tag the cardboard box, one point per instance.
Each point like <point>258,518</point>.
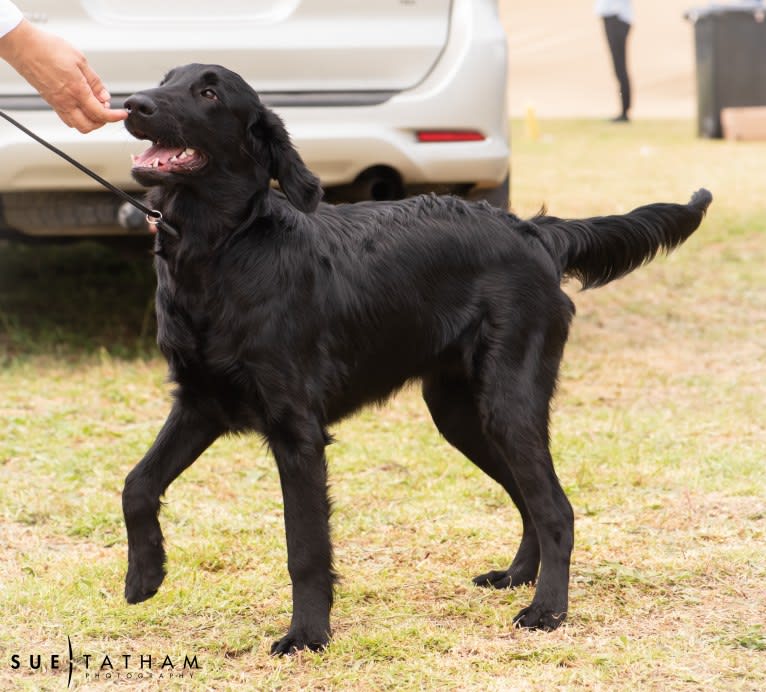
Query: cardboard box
<point>744,123</point>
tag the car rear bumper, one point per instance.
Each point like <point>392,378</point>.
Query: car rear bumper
<point>465,91</point>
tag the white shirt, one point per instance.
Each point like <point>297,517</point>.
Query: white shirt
<point>10,16</point>
<point>610,8</point>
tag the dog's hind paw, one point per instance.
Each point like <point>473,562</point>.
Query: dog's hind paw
<point>535,617</point>
<point>506,578</point>
<point>294,642</point>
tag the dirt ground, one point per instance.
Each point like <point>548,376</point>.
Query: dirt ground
<point>559,61</point>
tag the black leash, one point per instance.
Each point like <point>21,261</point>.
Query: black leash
<point>152,215</point>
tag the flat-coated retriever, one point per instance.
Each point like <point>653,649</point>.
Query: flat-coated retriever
<point>280,315</point>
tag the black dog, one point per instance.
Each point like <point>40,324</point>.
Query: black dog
<point>281,315</point>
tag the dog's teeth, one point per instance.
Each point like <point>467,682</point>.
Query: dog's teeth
<point>173,158</point>
<point>182,156</point>
<point>190,152</point>
<point>156,163</point>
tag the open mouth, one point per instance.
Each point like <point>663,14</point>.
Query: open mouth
<point>162,158</point>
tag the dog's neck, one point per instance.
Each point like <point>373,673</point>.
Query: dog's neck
<point>205,220</point>
<point>204,224</point>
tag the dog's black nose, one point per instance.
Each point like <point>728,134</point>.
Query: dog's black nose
<point>140,104</point>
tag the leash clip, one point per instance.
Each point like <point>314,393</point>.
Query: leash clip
<point>154,216</point>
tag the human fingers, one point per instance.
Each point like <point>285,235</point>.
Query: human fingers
<point>94,99</point>
<point>79,120</point>
<point>85,112</point>
<point>94,82</point>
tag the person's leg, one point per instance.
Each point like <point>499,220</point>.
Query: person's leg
<point>617,38</point>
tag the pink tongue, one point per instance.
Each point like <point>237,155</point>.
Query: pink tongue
<point>156,151</point>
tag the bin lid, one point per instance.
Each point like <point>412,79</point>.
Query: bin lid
<point>755,7</point>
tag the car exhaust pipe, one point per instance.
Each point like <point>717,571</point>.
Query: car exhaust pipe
<point>380,184</point>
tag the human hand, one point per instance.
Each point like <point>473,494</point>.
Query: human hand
<point>61,75</point>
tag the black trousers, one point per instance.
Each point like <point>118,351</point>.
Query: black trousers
<point>617,37</point>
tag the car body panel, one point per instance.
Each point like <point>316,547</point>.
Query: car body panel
<point>277,45</point>
<point>344,119</point>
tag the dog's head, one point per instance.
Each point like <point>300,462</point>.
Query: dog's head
<point>206,124</point>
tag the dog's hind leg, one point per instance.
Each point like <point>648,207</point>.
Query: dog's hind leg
<point>298,447</point>
<point>185,435</point>
<point>452,404</point>
<point>516,375</point>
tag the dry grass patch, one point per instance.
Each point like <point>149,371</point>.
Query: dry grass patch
<point>658,432</point>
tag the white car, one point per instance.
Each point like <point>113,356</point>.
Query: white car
<point>383,98</point>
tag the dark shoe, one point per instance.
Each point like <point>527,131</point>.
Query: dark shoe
<point>622,118</point>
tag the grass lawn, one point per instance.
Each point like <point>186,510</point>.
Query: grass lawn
<point>658,431</point>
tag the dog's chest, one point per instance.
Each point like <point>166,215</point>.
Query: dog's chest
<point>207,341</point>
<point>186,322</point>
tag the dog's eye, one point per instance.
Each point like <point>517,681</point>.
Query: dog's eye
<point>209,94</point>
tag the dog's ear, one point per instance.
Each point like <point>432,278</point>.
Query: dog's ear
<point>300,185</point>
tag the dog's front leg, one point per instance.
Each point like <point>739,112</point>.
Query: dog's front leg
<point>185,435</point>
<point>299,452</point>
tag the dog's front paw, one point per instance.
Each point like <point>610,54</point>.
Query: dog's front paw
<point>146,570</point>
<point>539,617</point>
<point>295,641</point>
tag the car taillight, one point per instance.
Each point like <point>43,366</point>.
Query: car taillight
<point>449,136</point>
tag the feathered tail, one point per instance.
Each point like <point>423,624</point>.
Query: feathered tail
<point>603,248</point>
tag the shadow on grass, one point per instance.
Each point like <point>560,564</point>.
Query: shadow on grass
<point>76,299</point>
